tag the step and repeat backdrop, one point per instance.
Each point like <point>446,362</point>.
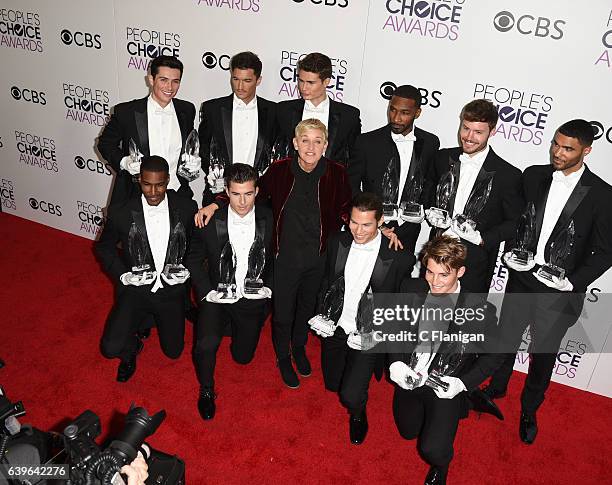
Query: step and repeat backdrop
<point>67,62</point>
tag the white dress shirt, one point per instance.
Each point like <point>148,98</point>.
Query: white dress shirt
<point>561,188</point>
<point>245,128</point>
<point>165,136</point>
<point>320,112</point>
<point>470,166</point>
<point>241,231</point>
<point>157,222</point>
<point>357,273</point>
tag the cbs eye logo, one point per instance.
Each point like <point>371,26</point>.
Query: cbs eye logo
<point>329,3</point>
<point>43,206</point>
<point>428,98</point>
<point>599,131</point>
<point>503,21</point>
<point>81,39</point>
<point>92,165</point>
<point>211,61</point>
<point>29,95</point>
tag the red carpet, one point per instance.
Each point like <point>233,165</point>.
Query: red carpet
<point>55,302</point>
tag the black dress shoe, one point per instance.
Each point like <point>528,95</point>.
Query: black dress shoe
<point>144,334</point>
<point>206,403</point>
<point>493,393</point>
<point>127,366</point>
<point>528,428</point>
<point>358,428</point>
<point>436,475</point>
<point>288,374</point>
<point>483,403</point>
<point>301,361</point>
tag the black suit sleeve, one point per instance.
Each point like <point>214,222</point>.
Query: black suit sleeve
<point>111,139</point>
<point>107,252</point>
<point>196,263</point>
<point>357,164</point>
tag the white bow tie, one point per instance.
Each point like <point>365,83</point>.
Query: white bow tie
<point>361,247</point>
<point>466,160</point>
<point>399,138</point>
<point>316,109</point>
<point>163,112</point>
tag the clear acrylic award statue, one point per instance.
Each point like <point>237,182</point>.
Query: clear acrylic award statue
<point>139,251</point>
<point>135,155</point>
<point>522,254</point>
<point>216,168</point>
<point>257,260</point>
<point>560,249</point>
<point>363,339</point>
<point>390,190</point>
<point>439,215</point>
<point>419,361</point>
<point>411,210</point>
<point>446,364</point>
<point>176,251</point>
<point>192,149</point>
<point>324,323</point>
<point>226,288</point>
<point>476,202</point>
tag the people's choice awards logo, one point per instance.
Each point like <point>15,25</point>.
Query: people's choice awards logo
<point>143,45</point>
<point>85,104</point>
<point>36,151</point>
<point>20,30</point>
<point>433,19</point>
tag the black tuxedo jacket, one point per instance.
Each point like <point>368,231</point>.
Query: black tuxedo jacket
<point>117,229</point>
<point>129,121</point>
<point>498,219</point>
<point>369,161</point>
<point>343,127</point>
<point>479,362</point>
<point>390,269</point>
<point>208,242</point>
<point>216,124</point>
<point>588,207</point>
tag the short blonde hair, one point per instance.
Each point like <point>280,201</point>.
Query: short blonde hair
<point>446,251</point>
<point>310,124</point>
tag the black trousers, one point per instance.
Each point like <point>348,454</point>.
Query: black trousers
<point>246,318</point>
<point>549,314</point>
<point>132,304</point>
<point>295,298</point>
<point>434,421</point>
<point>347,371</point>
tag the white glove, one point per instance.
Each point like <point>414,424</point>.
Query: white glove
<point>435,221</point>
<point>469,234</point>
<point>176,279</point>
<point>212,177</point>
<point>516,266</point>
<point>455,386</point>
<point>262,294</point>
<point>131,279</point>
<point>193,162</point>
<point>399,372</point>
<point>556,283</point>
<point>131,165</point>
<point>357,341</point>
<point>214,296</point>
<point>322,326</point>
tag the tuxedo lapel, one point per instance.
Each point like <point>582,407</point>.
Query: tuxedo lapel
<point>332,128</point>
<point>142,128</point>
<point>540,203</point>
<point>578,194</point>
<point>343,251</point>
<point>262,116</point>
<point>455,166</point>
<point>226,121</point>
<point>183,124</point>
<point>260,228</point>
<point>415,162</point>
<point>221,227</point>
<point>175,219</point>
<point>381,267</point>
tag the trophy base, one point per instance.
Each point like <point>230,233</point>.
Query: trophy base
<point>436,383</point>
<point>465,224</point>
<point>521,257</point>
<point>390,211</point>
<point>142,270</point>
<point>226,292</point>
<point>440,217</point>
<point>176,270</point>
<point>187,174</point>
<point>219,185</point>
<point>551,272</point>
<point>252,287</point>
<point>411,211</point>
<point>322,325</point>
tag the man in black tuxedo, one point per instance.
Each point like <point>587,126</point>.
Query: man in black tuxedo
<point>147,226</point>
<point>159,124</point>
<point>411,150</point>
<point>472,163</point>
<point>427,413</point>
<point>366,262</point>
<point>239,127</point>
<point>342,120</point>
<point>238,224</point>
<point>563,192</point>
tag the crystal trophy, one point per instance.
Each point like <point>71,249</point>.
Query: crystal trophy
<point>176,250</point>
<point>227,273</point>
<point>139,250</point>
<point>560,249</point>
<point>415,357</point>
<point>444,193</point>
<point>324,323</point>
<point>475,203</point>
<point>362,339</point>
<point>522,255</point>
<point>135,155</point>
<point>446,364</point>
<point>390,190</point>
<point>216,167</point>
<point>192,149</point>
<point>411,210</point>
<point>257,260</point>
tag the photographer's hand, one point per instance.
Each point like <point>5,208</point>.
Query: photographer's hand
<point>137,471</point>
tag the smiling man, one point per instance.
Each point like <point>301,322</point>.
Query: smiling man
<point>473,160</point>
<point>159,124</point>
<point>238,128</point>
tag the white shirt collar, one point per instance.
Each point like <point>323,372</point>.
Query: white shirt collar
<point>156,108</point>
<point>372,245</point>
<point>570,179</point>
<point>477,159</point>
<point>323,105</point>
<point>234,218</point>
<point>398,137</point>
<point>155,209</point>
<point>238,103</point>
